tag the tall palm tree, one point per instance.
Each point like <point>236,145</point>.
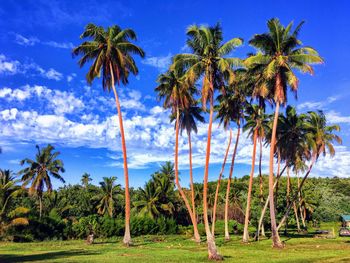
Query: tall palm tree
<point>177,93</point>
<point>39,171</point>
<point>188,118</point>
<point>86,179</point>
<point>209,60</point>
<point>230,109</point>
<point>110,50</point>
<point>280,54</point>
<point>320,138</point>
<point>107,196</point>
<point>256,123</point>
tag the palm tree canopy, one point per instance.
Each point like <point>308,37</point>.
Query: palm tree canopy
<point>8,188</point>
<point>208,59</point>
<point>39,171</point>
<point>256,119</point>
<point>107,196</point>
<point>175,90</point>
<point>280,52</point>
<point>321,136</point>
<point>108,48</point>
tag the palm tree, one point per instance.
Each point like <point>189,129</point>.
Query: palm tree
<point>230,109</point>
<point>187,119</point>
<point>107,196</point>
<point>86,179</point>
<point>177,95</point>
<point>39,172</point>
<point>157,197</point>
<point>256,123</point>
<point>280,53</point>
<point>8,190</point>
<point>208,60</point>
<point>110,50</point>
<point>320,138</point>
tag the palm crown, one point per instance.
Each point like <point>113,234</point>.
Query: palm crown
<point>110,51</point>
<point>280,52</point>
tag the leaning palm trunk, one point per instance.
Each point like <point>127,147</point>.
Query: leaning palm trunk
<point>227,235</point>
<point>296,216</point>
<point>212,250</point>
<point>300,202</point>
<point>296,195</point>
<point>263,211</point>
<point>127,236</point>
<point>218,185</point>
<point>194,222</point>
<point>276,242</point>
<point>182,194</point>
<point>249,197</point>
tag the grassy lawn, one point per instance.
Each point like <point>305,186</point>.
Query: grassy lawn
<point>177,249</point>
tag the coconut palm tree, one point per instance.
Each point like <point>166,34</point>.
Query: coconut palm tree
<point>157,197</point>
<point>320,138</point>
<point>8,190</point>
<point>256,123</point>
<point>209,60</point>
<point>107,196</point>
<point>111,52</point>
<point>188,118</point>
<point>178,96</point>
<point>39,172</point>
<point>85,179</point>
<point>280,53</point>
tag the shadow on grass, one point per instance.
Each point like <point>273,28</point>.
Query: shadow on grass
<point>10,258</point>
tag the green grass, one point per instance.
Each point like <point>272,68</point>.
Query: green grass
<point>177,249</point>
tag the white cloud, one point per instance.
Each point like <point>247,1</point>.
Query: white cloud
<point>161,63</point>
<point>60,102</point>
<point>317,105</point>
<point>31,41</point>
<point>336,118</point>
<point>64,45</point>
<point>71,77</point>
<point>8,66</point>
<point>25,41</point>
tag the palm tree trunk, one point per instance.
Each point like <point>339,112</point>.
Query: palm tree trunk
<point>276,242</point>
<point>177,181</point>
<point>296,217</point>
<point>287,198</point>
<point>212,250</point>
<point>261,189</point>
<point>278,172</point>
<point>295,197</point>
<point>300,202</point>
<point>227,235</point>
<point>247,211</point>
<point>218,184</point>
<point>263,211</point>
<point>40,206</point>
<point>127,236</point>
<point>194,222</point>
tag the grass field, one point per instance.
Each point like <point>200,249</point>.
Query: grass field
<point>177,249</point>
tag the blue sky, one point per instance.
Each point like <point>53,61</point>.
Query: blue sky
<point>44,97</point>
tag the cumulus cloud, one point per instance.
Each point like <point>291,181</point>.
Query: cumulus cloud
<point>60,102</point>
<point>11,67</point>
<point>161,63</point>
<point>8,66</point>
